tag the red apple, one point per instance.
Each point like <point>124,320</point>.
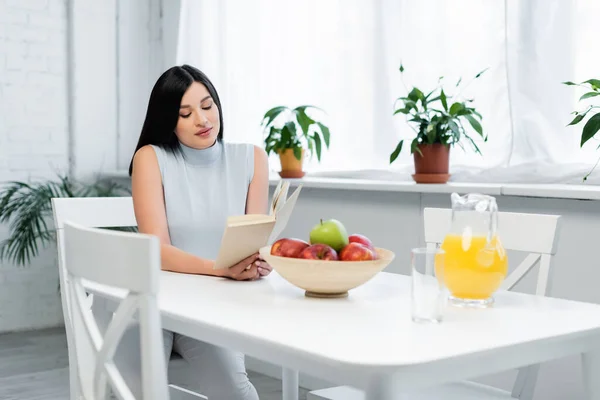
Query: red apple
<point>362,239</point>
<point>319,251</point>
<point>288,247</point>
<point>357,252</point>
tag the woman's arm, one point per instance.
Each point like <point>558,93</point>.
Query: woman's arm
<point>257,201</point>
<point>149,205</point>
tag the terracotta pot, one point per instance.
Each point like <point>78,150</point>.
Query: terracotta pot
<point>291,167</point>
<point>433,165</point>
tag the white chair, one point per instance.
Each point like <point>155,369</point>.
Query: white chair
<point>531,233</point>
<point>92,213</point>
<point>128,261</point>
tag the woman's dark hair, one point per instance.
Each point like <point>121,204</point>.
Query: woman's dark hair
<point>163,108</point>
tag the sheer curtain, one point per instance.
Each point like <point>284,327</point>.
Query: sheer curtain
<point>343,56</point>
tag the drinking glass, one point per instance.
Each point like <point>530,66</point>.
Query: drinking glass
<point>428,296</point>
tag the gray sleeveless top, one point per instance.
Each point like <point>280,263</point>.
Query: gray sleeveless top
<point>201,189</point>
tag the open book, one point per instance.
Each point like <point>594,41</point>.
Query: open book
<point>245,234</point>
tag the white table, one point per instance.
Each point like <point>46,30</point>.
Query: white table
<point>368,340</point>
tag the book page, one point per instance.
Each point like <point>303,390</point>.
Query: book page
<point>245,234</point>
<point>283,215</point>
<point>275,199</point>
<point>249,219</point>
<point>242,240</point>
<point>282,198</point>
<point>279,196</point>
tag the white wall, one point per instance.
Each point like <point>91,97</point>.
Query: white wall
<point>33,140</point>
<point>140,63</point>
<point>394,221</point>
<point>75,77</point>
<point>93,86</point>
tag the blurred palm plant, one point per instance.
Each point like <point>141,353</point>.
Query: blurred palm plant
<point>27,208</point>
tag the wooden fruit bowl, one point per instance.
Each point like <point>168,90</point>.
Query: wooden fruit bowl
<point>320,278</point>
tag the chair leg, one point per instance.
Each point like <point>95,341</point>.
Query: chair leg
<point>591,371</point>
<point>179,393</point>
<point>289,384</point>
<point>524,387</point>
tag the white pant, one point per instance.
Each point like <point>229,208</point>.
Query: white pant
<point>220,373</point>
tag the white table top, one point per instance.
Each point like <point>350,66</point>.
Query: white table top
<point>371,329</point>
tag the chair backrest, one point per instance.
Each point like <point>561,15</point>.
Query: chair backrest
<point>91,212</point>
<point>125,260</point>
<point>535,234</point>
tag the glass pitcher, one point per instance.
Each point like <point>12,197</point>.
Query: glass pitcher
<point>476,262</point>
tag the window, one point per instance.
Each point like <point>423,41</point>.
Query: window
<point>343,56</point>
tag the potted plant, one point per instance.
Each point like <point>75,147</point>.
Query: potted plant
<point>291,133</point>
<point>437,119</point>
<point>27,207</point>
<point>592,126</point>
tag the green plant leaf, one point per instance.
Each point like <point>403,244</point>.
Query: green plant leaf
<point>396,151</point>
<point>577,119</point>
<point>472,143</point>
<point>431,132</point>
<point>270,138</point>
<point>272,114</point>
<point>298,153</point>
<point>588,95</point>
<point>416,95</point>
<point>481,73</point>
<point>317,140</point>
<point>594,82</point>
<point>474,112</point>
<point>456,108</point>
<point>306,106</point>
<point>590,128</point>
<point>414,146</point>
<point>326,134</point>
<point>455,131</point>
<point>459,81</point>
<point>475,124</point>
<point>429,94</point>
<point>409,104</point>
<point>303,120</point>
<point>288,134</point>
<point>444,100</point>
<point>569,83</point>
<point>402,110</point>
<point>401,68</point>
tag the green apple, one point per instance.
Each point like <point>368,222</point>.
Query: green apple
<point>331,232</point>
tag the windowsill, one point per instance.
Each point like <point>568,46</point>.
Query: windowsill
<point>558,191</point>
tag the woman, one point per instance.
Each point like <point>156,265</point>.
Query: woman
<point>185,183</point>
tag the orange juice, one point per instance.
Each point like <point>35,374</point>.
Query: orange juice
<point>473,270</point>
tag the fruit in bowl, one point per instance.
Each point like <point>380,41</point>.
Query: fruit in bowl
<point>357,252</point>
<point>361,239</point>
<point>331,232</point>
<point>288,247</point>
<point>331,263</point>
<point>319,251</point>
<point>327,278</point>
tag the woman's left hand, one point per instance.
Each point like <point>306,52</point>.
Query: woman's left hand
<point>264,268</point>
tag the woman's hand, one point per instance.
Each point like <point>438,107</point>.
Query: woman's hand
<point>264,268</point>
<point>245,270</point>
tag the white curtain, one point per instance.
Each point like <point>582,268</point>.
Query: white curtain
<point>343,56</point>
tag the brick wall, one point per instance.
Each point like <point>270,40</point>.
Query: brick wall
<point>33,141</point>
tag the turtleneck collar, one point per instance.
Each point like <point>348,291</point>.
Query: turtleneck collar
<point>205,156</point>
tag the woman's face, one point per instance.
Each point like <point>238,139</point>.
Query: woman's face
<point>198,124</point>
